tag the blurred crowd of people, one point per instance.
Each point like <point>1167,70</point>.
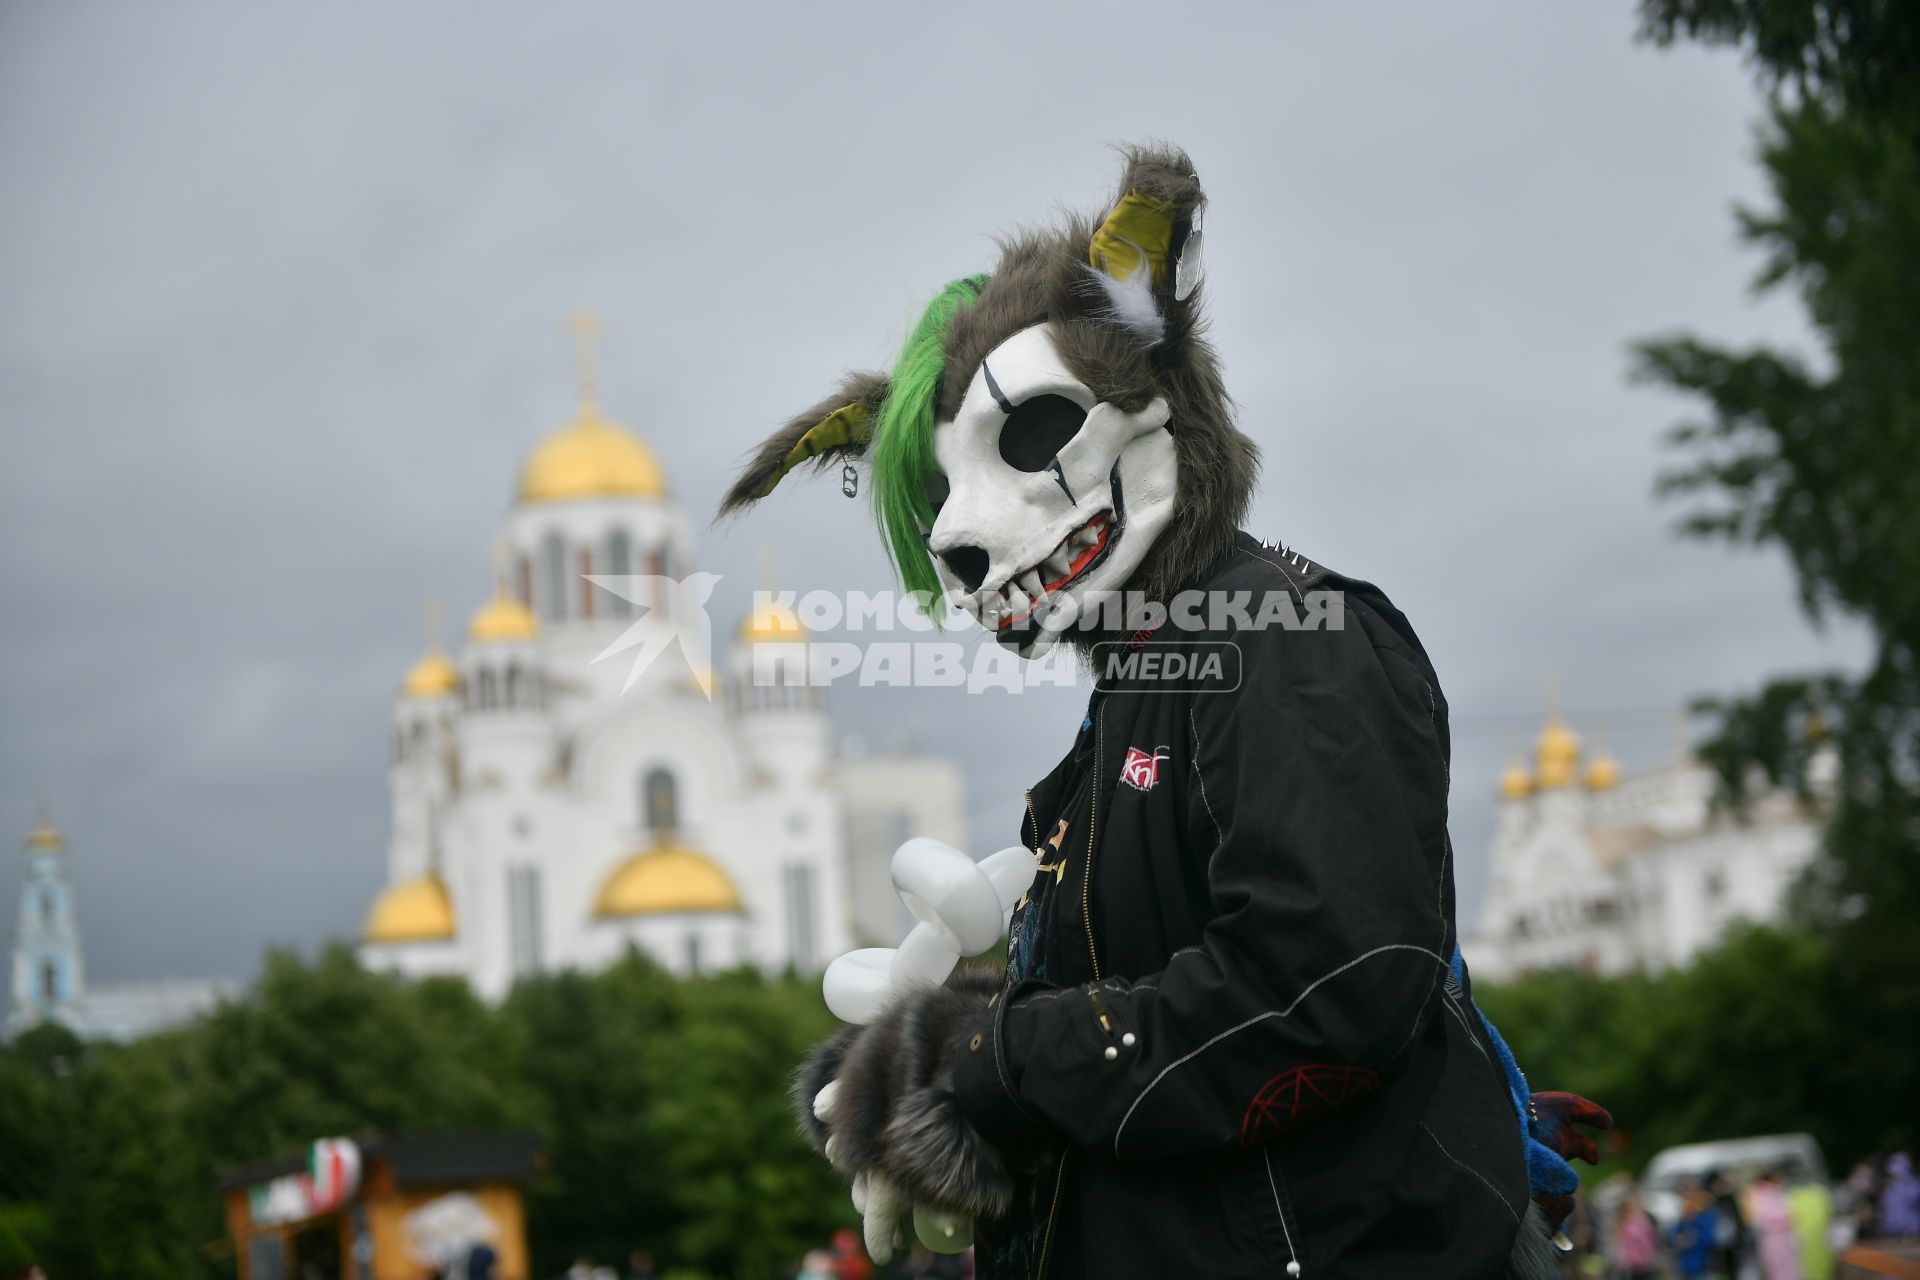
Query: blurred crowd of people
<point>640,1266</point>
<point>1768,1227</point>
<point>845,1259</point>
<point>1765,1226</point>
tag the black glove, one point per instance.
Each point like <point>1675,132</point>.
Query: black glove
<point>893,1122</point>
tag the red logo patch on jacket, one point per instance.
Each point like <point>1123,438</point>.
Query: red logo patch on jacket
<point>1141,769</point>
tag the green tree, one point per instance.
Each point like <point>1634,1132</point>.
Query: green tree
<point>35,1111</point>
<point>141,1205</point>
<point>662,1103</point>
<point>330,1049</point>
<point>667,1121</point>
<point>1763,1034</point>
<point>587,1044</point>
<point>1819,455</point>
<point>731,1068</point>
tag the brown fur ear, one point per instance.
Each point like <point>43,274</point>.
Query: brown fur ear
<point>1145,254</point>
<point>838,427</point>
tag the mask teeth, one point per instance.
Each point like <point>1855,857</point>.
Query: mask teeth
<point>1030,583</point>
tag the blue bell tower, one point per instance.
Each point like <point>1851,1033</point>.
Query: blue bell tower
<point>48,981</point>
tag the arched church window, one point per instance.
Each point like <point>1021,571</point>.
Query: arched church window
<point>49,981</point>
<point>516,685</point>
<point>554,552</point>
<point>660,600</point>
<point>46,907</point>
<point>619,565</point>
<point>660,801</point>
<point>523,581</point>
<point>489,693</point>
<point>587,590</point>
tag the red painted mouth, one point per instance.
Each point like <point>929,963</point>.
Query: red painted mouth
<point>1084,546</point>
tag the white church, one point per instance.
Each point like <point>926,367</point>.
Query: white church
<point>547,817</point>
<point>1607,873</point>
<point>49,962</point>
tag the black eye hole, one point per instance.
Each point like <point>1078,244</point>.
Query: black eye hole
<point>1038,429</point>
<point>937,489</point>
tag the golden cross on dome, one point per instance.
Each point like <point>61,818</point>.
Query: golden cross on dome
<point>586,335</point>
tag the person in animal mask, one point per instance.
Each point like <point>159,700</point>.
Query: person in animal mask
<point>1234,1035</point>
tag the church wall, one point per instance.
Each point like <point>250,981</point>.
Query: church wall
<point>888,799</point>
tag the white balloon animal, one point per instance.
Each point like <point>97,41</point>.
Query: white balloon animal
<point>960,908</point>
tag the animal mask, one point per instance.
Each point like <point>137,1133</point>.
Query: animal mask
<point>1051,433</point>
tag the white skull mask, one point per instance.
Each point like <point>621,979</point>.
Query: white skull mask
<point>1052,497</point>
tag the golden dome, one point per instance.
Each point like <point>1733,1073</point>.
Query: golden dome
<point>432,676</point>
<point>45,836</point>
<point>412,911</point>
<point>772,622</point>
<point>591,458</point>
<point>503,618</point>
<point>1603,774</point>
<point>664,880</point>
<point>1556,754</point>
<point>1515,782</point>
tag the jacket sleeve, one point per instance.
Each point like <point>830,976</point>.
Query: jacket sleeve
<point>1319,802</point>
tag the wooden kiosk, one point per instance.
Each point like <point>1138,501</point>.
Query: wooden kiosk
<point>381,1208</point>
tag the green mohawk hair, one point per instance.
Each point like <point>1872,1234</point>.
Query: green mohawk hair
<point>902,452</point>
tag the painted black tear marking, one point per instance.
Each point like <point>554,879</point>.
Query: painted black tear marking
<point>993,388</point>
<point>1060,476</point>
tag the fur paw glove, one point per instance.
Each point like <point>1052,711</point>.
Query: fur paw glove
<point>889,1120</point>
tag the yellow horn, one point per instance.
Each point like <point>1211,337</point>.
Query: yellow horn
<point>845,425</point>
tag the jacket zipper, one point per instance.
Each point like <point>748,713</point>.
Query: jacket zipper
<point>1060,1169</point>
<point>1099,1009</point>
<point>1053,1211</point>
<point>1093,954</point>
<point>1093,824</point>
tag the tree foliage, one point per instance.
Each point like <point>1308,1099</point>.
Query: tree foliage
<point>1858,56</point>
<point>1819,454</point>
<point>1764,1034</point>
<point>661,1103</point>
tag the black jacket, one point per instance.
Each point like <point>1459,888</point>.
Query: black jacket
<point>1229,1044</point>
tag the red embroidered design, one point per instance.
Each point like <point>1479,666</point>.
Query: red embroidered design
<point>1300,1093</point>
<point>1141,770</point>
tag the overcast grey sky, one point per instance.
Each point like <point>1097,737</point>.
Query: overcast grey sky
<point>282,302</point>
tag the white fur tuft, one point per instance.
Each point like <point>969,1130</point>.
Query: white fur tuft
<point>1130,304</point>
